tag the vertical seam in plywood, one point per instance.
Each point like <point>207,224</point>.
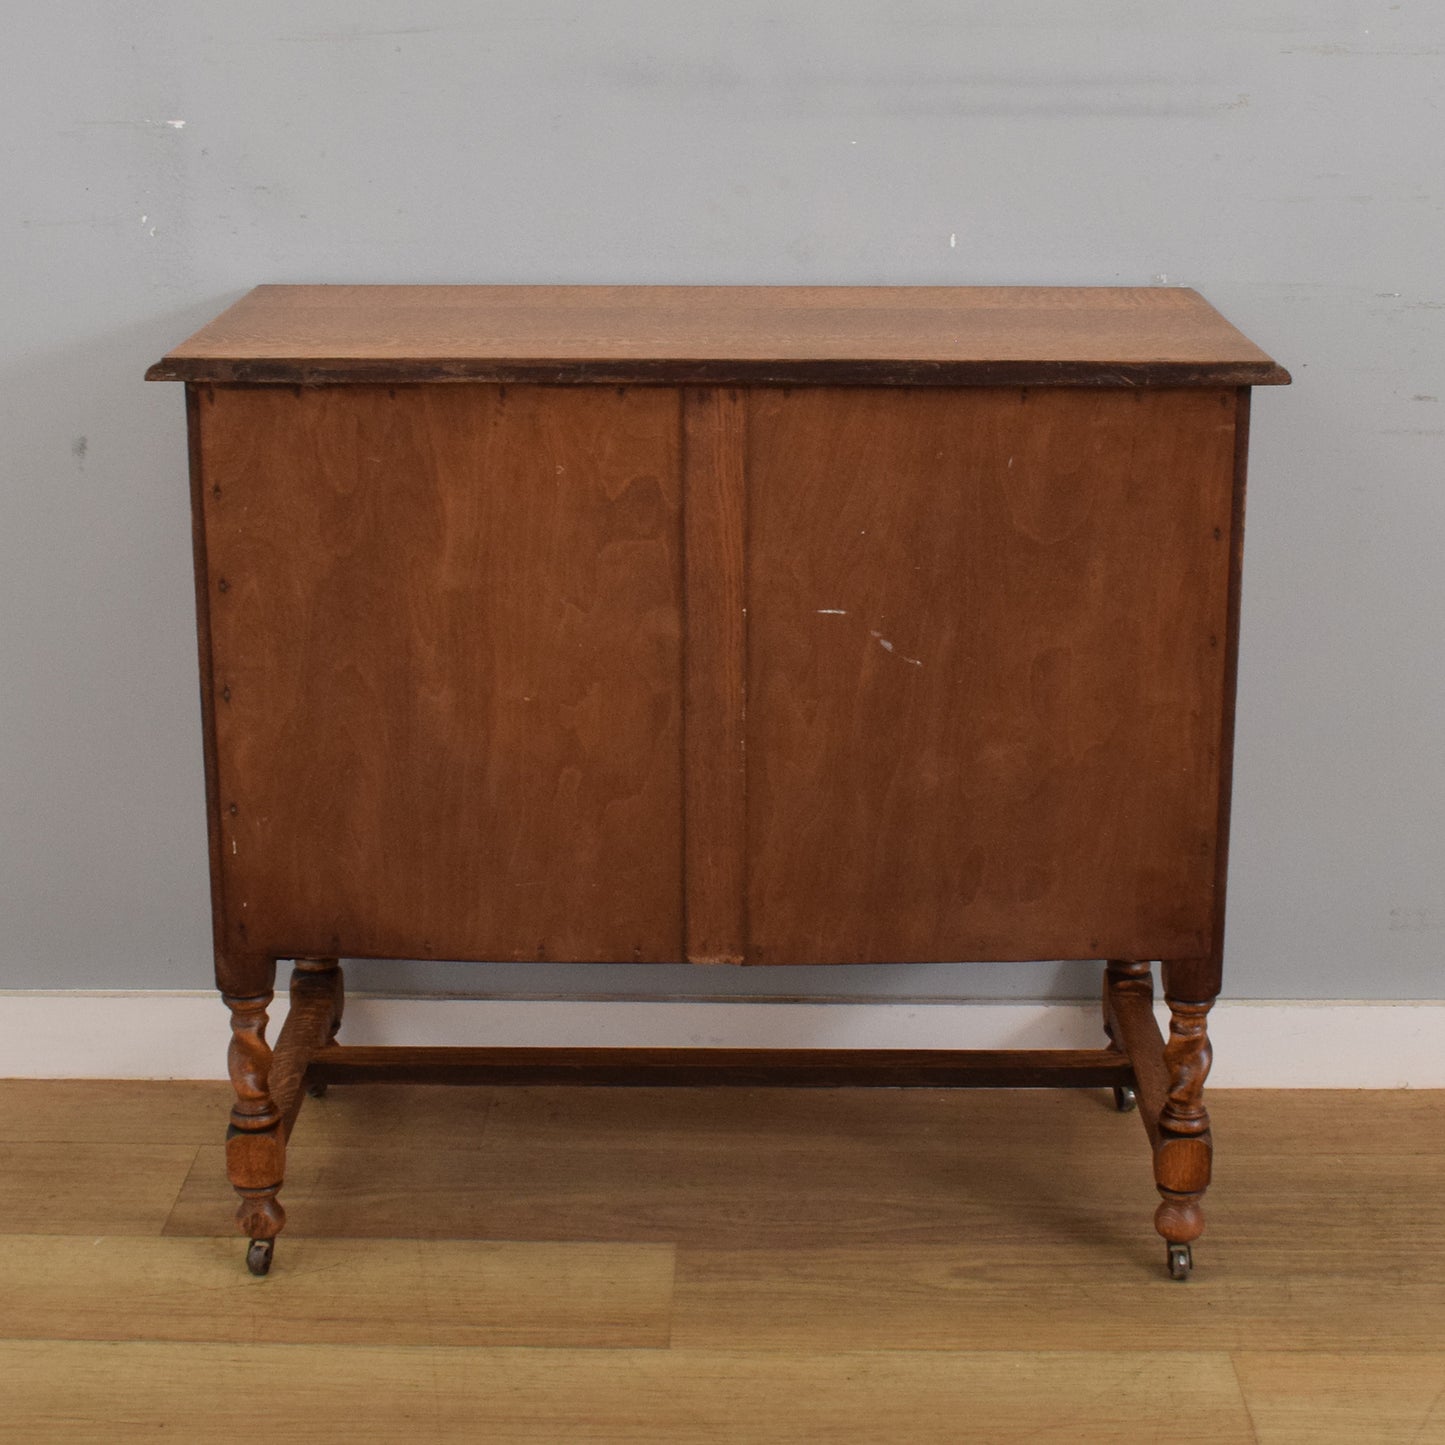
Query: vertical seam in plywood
<point>714,675</point>
<point>744,407</point>
<point>683,657</point>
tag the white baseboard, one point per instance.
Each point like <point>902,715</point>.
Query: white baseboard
<point>145,1034</point>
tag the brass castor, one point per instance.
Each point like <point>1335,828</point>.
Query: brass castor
<point>258,1256</point>
<point>1181,1261</point>
<point>1125,1100</point>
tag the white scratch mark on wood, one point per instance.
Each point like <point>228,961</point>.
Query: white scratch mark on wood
<point>831,612</point>
<point>887,646</point>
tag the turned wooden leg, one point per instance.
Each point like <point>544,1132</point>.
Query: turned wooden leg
<point>255,1146</point>
<point>1184,1151</point>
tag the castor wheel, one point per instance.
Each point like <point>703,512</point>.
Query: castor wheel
<point>258,1256</point>
<point>316,1091</point>
<point>1125,1100</point>
<point>1181,1261</point>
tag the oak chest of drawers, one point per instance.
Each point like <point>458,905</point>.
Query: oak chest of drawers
<point>735,625</point>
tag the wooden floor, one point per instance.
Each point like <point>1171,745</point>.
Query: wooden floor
<point>554,1265</point>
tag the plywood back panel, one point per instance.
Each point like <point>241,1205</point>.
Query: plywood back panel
<point>987,633</point>
<point>447,669</point>
<point>970,644</point>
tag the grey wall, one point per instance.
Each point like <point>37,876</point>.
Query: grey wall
<point>1283,156</point>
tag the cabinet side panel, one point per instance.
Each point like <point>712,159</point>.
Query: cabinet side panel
<point>1209,982</point>
<point>987,642</point>
<point>447,669</point>
<point>219,931</point>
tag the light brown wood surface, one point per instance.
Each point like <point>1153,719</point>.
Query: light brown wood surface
<point>685,1266</point>
<point>622,1397</point>
<point>110,1186</point>
<point>1025,335</point>
<point>1368,1398</point>
<point>400,1292</point>
<point>446,666</point>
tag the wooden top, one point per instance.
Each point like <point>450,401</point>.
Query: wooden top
<point>954,335</point>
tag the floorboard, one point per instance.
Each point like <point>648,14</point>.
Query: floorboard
<point>377,1396</point>
<point>338,1291</point>
<point>1350,1397</point>
<point>687,1265</point>
<point>90,1188</point>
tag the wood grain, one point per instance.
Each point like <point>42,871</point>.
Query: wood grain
<point>725,1169</point>
<point>947,335</point>
<point>1345,1397</point>
<point>115,1111</point>
<point>1320,1309</point>
<point>90,1188</point>
<point>166,1112</point>
<point>403,1292</point>
<point>986,672</point>
<point>1046,1290</point>
<point>1129,1016</point>
<point>777,1173</point>
<point>446,654</point>
<point>1258,1123</point>
<point>317,997</point>
<point>715,778</point>
<point>94,1392</point>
